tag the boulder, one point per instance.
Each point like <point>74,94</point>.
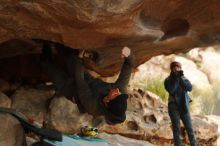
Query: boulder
<point>54,112</point>
<point>11,133</point>
<point>147,119</point>
<point>64,116</point>
<point>205,131</point>
<point>32,103</point>
<point>207,60</point>
<point>210,64</point>
<point>213,119</point>
<point>5,101</point>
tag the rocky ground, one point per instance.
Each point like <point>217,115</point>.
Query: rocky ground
<point>216,120</point>
<point>147,119</point>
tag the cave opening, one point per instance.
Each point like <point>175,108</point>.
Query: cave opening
<point>20,63</point>
<point>174,28</point>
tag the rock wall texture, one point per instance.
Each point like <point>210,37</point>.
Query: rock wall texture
<point>12,133</point>
<point>147,119</point>
<point>148,27</point>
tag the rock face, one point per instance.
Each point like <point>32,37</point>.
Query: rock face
<point>11,133</point>
<point>31,102</point>
<point>147,119</point>
<point>148,27</point>
<point>210,64</point>
<point>4,100</point>
<point>215,119</point>
<point>64,116</point>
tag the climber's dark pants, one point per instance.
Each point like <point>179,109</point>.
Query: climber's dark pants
<point>175,117</point>
<point>71,83</point>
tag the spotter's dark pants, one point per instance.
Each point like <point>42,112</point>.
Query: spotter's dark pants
<point>175,117</point>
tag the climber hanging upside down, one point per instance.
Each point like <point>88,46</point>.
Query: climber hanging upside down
<point>91,95</point>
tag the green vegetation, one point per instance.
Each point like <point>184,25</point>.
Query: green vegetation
<point>206,98</point>
<point>156,86</point>
<point>198,64</point>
